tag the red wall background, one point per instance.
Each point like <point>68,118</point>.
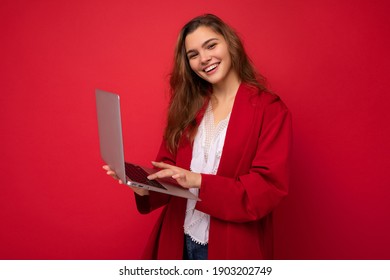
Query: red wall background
<point>328,60</point>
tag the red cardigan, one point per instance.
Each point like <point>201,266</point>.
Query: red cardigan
<point>252,179</point>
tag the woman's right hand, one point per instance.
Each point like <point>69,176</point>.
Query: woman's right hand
<point>112,173</point>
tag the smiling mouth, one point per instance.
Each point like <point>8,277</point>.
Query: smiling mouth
<point>211,67</point>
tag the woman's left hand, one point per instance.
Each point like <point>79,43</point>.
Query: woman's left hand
<point>184,178</point>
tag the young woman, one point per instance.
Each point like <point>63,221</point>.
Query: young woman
<point>227,139</point>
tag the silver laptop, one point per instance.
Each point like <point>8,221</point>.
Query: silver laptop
<point>111,149</point>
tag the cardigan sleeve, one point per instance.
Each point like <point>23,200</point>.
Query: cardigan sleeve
<point>256,191</point>
<point>148,203</point>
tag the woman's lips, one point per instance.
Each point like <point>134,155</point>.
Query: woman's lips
<point>210,68</point>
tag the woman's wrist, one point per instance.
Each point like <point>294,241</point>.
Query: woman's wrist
<point>198,180</point>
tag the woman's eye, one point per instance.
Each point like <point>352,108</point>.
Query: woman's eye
<point>191,56</point>
<point>211,46</point>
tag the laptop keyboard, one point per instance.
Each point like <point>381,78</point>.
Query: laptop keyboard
<point>137,174</point>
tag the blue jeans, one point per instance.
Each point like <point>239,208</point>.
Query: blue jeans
<point>193,250</point>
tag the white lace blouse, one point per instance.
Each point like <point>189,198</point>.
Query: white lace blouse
<point>206,154</point>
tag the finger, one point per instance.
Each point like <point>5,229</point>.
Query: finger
<point>161,174</point>
<point>112,174</point>
<point>155,176</point>
<point>162,165</point>
<point>178,176</point>
<point>106,167</point>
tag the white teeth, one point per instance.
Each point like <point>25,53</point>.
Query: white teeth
<point>211,67</point>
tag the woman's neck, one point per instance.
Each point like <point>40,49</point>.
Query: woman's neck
<point>222,98</point>
<point>226,89</point>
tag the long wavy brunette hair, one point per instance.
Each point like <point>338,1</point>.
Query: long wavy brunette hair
<point>189,91</point>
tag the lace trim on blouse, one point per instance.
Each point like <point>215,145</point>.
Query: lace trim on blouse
<point>206,154</point>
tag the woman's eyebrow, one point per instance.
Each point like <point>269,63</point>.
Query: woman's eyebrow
<point>203,45</point>
<point>208,41</point>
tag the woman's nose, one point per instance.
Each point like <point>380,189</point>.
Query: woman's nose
<point>205,58</point>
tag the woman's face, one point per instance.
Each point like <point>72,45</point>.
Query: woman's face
<point>208,55</point>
